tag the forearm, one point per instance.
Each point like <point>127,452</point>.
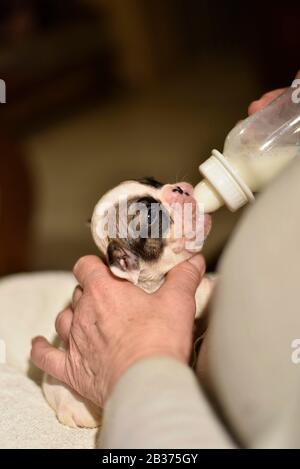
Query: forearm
<point>158,403</point>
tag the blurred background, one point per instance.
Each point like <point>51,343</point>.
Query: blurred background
<point>99,91</point>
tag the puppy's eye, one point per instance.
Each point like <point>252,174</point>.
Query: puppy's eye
<point>153,218</point>
<point>149,210</point>
<point>152,214</point>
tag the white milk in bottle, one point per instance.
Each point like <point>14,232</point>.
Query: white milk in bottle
<point>255,151</point>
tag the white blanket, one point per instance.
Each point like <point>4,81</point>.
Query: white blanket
<point>28,305</point>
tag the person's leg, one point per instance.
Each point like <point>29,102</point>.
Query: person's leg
<point>247,355</point>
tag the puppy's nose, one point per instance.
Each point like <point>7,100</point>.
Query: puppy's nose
<point>178,189</point>
<point>183,188</point>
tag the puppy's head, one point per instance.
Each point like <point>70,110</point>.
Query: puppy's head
<point>144,228</point>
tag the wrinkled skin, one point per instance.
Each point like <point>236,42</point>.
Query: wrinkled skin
<point>105,334</point>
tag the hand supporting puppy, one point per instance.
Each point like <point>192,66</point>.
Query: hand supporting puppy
<point>112,324</point>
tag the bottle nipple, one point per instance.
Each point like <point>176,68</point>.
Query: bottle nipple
<point>222,184</point>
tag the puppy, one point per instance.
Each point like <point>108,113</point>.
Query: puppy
<point>142,229</point>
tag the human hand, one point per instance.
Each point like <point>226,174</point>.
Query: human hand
<point>266,99</point>
<point>112,324</point>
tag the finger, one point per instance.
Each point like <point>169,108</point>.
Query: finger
<point>48,358</point>
<point>185,277</point>
<point>270,95</point>
<point>264,100</point>
<point>86,266</point>
<point>63,324</point>
<point>77,294</point>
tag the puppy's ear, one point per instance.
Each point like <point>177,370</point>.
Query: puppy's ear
<point>122,262</point>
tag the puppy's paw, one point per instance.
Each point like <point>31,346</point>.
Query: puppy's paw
<point>71,409</point>
<point>75,416</point>
<point>204,293</point>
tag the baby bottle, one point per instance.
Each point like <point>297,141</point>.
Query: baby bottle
<point>255,151</point>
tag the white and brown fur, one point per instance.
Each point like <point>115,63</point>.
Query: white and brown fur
<point>142,261</point>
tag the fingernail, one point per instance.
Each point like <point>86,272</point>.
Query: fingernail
<point>198,262</point>
<point>36,338</point>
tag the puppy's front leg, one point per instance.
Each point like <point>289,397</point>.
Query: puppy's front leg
<point>204,293</point>
<point>71,409</point>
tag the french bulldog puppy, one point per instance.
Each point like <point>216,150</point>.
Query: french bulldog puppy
<point>142,229</point>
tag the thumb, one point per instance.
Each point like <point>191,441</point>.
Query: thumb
<point>48,358</point>
<point>186,276</point>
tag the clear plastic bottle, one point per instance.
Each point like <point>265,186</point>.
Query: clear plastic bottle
<point>255,151</point>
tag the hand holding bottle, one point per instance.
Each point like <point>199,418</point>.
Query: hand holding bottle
<point>266,99</point>
<point>254,152</point>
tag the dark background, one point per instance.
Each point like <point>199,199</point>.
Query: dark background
<point>103,90</point>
